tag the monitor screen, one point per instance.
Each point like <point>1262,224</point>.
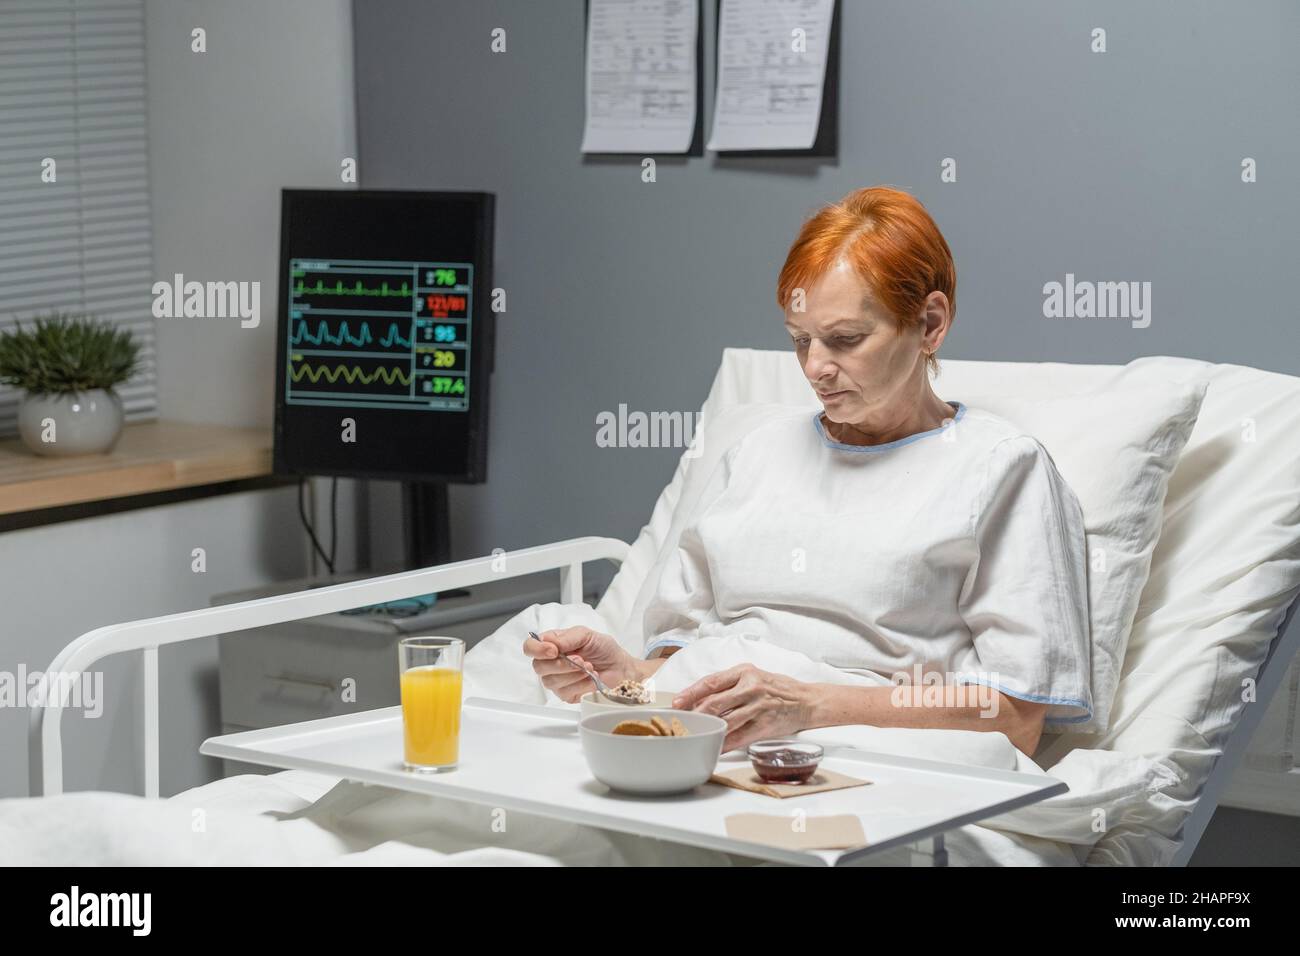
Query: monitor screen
<point>385,339</point>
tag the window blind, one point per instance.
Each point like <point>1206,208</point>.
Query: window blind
<point>72,90</point>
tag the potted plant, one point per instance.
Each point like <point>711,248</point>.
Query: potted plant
<point>67,366</point>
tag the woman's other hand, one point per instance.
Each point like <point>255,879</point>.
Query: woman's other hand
<point>593,650</point>
<point>756,704</point>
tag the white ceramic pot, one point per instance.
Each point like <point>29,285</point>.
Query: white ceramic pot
<point>80,423</point>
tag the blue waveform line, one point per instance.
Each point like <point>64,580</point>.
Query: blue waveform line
<point>303,334</point>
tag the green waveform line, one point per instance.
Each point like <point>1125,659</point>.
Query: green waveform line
<point>319,289</point>
<point>302,333</point>
<point>349,373</point>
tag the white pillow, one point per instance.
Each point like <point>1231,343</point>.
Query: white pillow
<point>1223,573</point>
<point>1116,447</point>
<point>1115,444</point>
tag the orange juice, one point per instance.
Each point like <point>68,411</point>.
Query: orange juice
<point>431,715</point>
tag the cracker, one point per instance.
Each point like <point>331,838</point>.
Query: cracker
<point>679,728</point>
<point>661,726</point>
<point>635,728</point>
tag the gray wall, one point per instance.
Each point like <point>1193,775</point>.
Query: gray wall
<point>1116,166</point>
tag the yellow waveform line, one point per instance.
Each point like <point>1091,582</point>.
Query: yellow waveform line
<point>349,373</point>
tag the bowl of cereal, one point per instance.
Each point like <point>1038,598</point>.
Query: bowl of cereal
<point>651,751</point>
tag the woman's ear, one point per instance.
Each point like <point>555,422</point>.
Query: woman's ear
<point>937,317</point>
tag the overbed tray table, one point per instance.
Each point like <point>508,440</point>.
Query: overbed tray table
<point>528,758</point>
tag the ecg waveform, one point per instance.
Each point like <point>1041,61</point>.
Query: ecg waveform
<point>358,289</point>
<point>343,335</point>
<point>379,333</point>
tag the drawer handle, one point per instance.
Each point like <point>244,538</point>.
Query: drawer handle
<point>303,681</point>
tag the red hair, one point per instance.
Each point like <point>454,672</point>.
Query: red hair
<point>890,241</point>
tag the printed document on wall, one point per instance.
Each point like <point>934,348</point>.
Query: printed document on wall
<point>771,71</point>
<point>642,75</point>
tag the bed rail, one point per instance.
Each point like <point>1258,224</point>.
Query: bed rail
<point>146,636</point>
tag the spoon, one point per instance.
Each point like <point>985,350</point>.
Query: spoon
<point>600,686</point>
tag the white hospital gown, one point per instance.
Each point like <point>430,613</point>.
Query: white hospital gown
<point>958,550</point>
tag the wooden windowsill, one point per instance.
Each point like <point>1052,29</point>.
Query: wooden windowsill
<point>149,458</point>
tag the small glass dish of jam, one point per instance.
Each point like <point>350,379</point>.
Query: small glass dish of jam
<point>785,760</point>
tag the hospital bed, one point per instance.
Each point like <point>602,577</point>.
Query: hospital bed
<point>1203,649</point>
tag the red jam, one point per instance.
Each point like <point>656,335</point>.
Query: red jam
<point>784,766</point>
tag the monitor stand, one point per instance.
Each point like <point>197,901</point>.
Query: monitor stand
<point>428,527</point>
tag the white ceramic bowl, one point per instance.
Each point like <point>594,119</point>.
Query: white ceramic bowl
<point>652,765</point>
<point>592,703</point>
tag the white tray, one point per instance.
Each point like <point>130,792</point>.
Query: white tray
<point>528,758</point>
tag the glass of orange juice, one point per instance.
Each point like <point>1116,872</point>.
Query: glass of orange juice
<point>430,673</point>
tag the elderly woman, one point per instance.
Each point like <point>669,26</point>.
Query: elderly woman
<point>890,534</point>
